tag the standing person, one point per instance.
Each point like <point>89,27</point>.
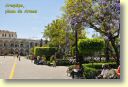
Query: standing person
<point>19,57</point>
<point>54,60</point>
<point>32,59</point>
<point>35,60</point>
<point>54,63</point>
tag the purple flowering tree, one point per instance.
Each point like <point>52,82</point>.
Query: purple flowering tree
<point>101,15</point>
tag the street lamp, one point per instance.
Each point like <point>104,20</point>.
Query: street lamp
<point>41,41</point>
<point>76,46</point>
<point>74,25</point>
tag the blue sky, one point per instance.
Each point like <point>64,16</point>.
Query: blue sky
<point>30,25</point>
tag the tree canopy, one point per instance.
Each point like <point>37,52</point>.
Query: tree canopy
<point>101,15</point>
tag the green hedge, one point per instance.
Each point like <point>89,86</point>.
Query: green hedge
<point>89,46</point>
<point>99,65</point>
<point>91,71</point>
<point>63,63</point>
<point>45,51</point>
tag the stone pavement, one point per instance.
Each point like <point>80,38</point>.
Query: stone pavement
<point>12,68</point>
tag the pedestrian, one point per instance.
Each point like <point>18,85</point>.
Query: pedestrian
<point>19,57</point>
<point>54,63</point>
<point>32,58</point>
<point>35,60</point>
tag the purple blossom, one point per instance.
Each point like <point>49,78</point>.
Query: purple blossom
<point>73,21</point>
<point>103,2</point>
<point>107,9</point>
<point>82,13</point>
<point>117,1</point>
<point>84,3</point>
<point>118,6</point>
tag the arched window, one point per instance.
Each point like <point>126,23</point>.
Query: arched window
<point>9,35</point>
<point>2,35</point>
<point>4,44</point>
<point>21,45</point>
<point>16,45</point>
<point>12,45</point>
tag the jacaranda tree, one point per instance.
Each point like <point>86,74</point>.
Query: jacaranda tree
<point>101,15</point>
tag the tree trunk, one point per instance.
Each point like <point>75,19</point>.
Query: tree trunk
<point>107,51</point>
<point>116,51</point>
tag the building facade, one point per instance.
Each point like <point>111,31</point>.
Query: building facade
<point>10,44</point>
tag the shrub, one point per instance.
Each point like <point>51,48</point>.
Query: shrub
<point>99,65</point>
<point>32,50</point>
<point>90,46</point>
<point>62,62</point>
<point>45,51</point>
<point>73,51</point>
<point>91,71</point>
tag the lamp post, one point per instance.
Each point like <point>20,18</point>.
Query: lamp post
<point>41,42</point>
<point>76,46</point>
<point>74,25</point>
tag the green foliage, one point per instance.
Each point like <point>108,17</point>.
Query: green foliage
<point>101,15</point>
<point>91,71</point>
<point>73,51</point>
<point>55,31</point>
<point>99,65</point>
<point>59,32</point>
<point>45,51</point>
<point>74,7</point>
<point>94,13</point>
<point>32,50</point>
<point>62,62</point>
<point>90,46</point>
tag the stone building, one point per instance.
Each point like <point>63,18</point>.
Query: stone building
<point>10,44</point>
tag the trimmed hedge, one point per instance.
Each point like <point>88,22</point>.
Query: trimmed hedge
<point>63,63</point>
<point>99,65</point>
<point>91,71</point>
<point>90,46</point>
<point>45,51</point>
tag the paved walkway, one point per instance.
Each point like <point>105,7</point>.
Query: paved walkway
<point>12,68</point>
